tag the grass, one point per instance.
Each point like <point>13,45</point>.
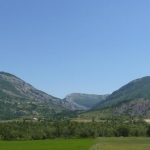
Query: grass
<point>121,143</point>
<point>60,144</point>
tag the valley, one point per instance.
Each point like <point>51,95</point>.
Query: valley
<point>19,99</point>
<point>27,114</point>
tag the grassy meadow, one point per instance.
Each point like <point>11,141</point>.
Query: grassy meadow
<point>121,143</point>
<point>60,144</point>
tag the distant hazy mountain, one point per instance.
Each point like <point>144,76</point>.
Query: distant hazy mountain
<point>84,101</point>
<point>132,99</point>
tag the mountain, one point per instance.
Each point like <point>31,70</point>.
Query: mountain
<point>13,86</point>
<point>18,98</point>
<point>133,99</point>
<point>84,101</point>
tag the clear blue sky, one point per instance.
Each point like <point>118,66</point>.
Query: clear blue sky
<point>66,46</point>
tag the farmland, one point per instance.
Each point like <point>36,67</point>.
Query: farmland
<point>57,144</point>
<point>121,143</point>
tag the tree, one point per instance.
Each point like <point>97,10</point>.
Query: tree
<point>123,131</point>
<point>148,131</point>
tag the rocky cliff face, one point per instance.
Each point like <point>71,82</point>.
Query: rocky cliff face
<point>137,107</point>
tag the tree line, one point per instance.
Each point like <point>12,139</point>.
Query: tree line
<point>29,130</point>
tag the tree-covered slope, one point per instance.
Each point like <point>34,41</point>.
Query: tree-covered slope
<point>139,88</point>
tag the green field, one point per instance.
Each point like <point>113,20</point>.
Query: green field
<point>121,143</point>
<point>60,144</point>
